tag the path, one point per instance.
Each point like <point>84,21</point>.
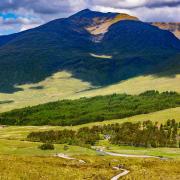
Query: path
<point>124,173</point>
<point>64,156</point>
<point>129,155</point>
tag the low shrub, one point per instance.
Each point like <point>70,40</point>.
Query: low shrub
<point>46,146</point>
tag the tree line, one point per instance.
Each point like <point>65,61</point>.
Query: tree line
<point>141,134</point>
<point>95,109</point>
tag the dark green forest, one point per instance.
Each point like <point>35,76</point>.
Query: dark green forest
<point>146,134</point>
<point>95,109</point>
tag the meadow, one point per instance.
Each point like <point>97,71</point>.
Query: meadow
<point>96,167</point>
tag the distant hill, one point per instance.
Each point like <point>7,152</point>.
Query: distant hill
<point>136,48</point>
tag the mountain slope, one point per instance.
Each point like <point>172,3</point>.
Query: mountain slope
<point>172,27</point>
<point>136,48</point>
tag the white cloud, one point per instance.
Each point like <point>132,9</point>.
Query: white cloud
<point>32,13</point>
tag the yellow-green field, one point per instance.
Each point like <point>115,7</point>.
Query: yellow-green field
<point>49,168</point>
<point>18,147</point>
<point>95,168</point>
<point>63,86</point>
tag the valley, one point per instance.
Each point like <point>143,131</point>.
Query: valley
<point>91,96</point>
<point>15,149</point>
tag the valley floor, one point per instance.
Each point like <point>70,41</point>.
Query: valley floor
<point>21,159</point>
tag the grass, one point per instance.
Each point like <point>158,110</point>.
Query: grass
<point>59,86</point>
<point>159,116</point>
<point>23,160</point>
<point>15,168</point>
<point>97,167</point>
<point>138,85</point>
<point>17,147</point>
<point>63,86</point>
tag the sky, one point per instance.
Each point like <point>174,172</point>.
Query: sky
<point>19,15</point>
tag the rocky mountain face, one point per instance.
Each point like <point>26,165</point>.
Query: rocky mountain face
<point>80,44</point>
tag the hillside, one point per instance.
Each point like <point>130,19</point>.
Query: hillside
<point>136,48</point>
<point>114,53</point>
<point>95,109</point>
<point>173,27</point>
<point>62,85</point>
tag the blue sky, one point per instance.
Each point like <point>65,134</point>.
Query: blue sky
<point>19,15</point>
<point>8,15</point>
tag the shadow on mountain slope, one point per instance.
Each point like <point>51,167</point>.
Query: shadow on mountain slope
<point>136,48</point>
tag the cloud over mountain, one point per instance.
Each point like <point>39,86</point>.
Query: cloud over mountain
<point>37,12</point>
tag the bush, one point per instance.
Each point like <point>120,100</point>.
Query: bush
<point>46,146</point>
<point>66,147</point>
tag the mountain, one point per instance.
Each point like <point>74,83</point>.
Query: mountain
<point>173,27</point>
<point>80,44</point>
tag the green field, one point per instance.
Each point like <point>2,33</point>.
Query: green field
<point>18,147</point>
<point>20,159</point>
<point>51,168</point>
<point>63,86</point>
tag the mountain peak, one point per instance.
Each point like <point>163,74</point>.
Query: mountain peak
<point>87,13</point>
<point>86,10</point>
<point>98,22</point>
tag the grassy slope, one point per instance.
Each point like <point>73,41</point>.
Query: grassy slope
<point>159,116</point>
<point>18,147</point>
<point>96,168</point>
<point>15,168</point>
<point>59,86</point>
<point>62,86</point>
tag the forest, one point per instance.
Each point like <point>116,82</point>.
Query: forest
<point>141,134</point>
<point>95,109</point>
